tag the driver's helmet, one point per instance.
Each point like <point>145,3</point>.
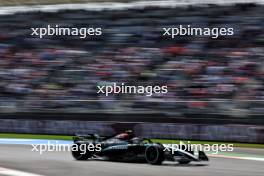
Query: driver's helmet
<point>127,135</point>
<point>136,140</point>
<point>122,136</point>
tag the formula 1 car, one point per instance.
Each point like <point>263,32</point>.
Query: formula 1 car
<point>133,150</point>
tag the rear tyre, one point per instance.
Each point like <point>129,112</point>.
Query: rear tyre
<point>154,155</point>
<point>80,152</point>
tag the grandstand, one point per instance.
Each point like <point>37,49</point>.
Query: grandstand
<point>203,74</point>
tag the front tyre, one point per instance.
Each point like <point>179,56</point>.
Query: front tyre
<point>154,155</point>
<point>80,152</point>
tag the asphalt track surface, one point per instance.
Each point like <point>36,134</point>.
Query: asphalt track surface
<point>21,158</point>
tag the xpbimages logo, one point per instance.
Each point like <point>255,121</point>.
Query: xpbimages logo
<point>214,148</point>
<point>65,31</point>
<point>57,147</point>
<point>128,89</point>
<point>188,30</point>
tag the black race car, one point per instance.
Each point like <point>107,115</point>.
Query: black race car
<point>132,150</point>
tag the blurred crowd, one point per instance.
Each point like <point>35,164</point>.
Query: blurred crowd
<point>205,75</point>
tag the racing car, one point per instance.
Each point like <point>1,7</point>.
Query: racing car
<point>135,149</point>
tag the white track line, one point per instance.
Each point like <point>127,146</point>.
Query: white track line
<point>237,157</point>
<point>11,172</point>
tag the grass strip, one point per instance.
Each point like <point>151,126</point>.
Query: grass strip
<point>35,136</point>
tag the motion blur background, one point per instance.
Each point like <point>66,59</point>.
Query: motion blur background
<point>210,81</point>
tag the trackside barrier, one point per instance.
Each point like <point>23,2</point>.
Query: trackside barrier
<point>235,133</point>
